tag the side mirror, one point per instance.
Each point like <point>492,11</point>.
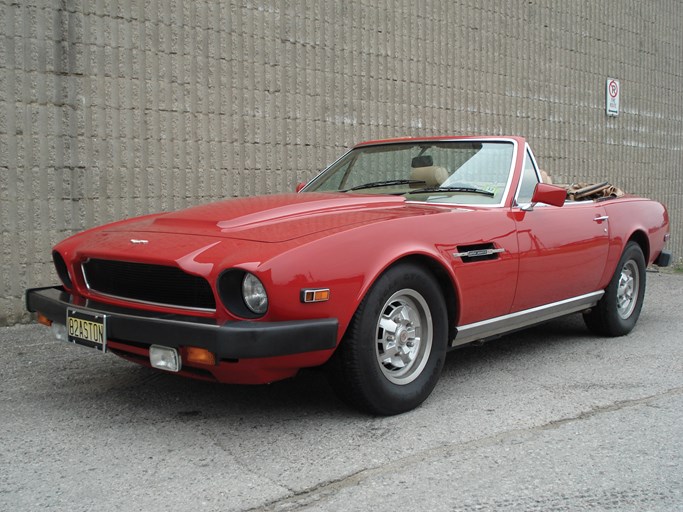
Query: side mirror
<point>299,186</point>
<point>547,194</point>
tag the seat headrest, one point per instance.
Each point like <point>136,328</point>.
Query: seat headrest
<point>432,175</point>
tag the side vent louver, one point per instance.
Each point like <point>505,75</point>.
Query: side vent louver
<point>478,252</point>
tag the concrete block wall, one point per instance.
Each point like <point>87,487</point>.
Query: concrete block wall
<point>110,109</point>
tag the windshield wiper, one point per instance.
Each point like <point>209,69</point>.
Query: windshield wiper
<point>386,183</point>
<point>452,189</point>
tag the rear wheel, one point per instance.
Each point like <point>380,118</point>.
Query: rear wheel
<point>617,312</point>
<point>392,354</point>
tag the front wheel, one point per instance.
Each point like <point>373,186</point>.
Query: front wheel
<point>617,312</point>
<point>394,348</point>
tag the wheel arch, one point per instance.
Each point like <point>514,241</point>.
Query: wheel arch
<point>643,241</point>
<point>356,372</point>
<point>442,277</point>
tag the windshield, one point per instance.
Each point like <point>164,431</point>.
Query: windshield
<point>462,172</point>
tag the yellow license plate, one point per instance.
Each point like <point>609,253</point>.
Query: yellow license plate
<point>87,328</point>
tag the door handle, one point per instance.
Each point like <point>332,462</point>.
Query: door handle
<point>601,218</point>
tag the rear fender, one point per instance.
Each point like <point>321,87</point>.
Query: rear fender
<point>643,221</point>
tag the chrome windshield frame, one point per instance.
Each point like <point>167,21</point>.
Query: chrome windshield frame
<point>504,195</point>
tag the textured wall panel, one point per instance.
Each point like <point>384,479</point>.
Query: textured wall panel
<point>110,109</point>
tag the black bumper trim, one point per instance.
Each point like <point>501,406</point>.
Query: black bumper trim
<point>232,340</point>
<point>664,259</point>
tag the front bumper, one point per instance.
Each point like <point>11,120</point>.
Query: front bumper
<point>231,340</point>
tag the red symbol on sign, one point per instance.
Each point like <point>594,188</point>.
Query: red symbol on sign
<point>613,89</point>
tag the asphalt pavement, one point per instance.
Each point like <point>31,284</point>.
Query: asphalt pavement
<point>551,418</point>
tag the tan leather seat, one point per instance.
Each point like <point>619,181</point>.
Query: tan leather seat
<point>433,176</point>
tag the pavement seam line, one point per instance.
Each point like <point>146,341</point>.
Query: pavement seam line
<point>250,470</point>
<point>308,497</point>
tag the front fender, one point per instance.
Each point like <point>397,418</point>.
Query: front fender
<point>347,263</point>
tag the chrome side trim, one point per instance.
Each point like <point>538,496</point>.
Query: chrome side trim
<point>521,319</point>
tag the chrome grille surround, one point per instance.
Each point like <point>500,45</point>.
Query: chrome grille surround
<point>146,283</point>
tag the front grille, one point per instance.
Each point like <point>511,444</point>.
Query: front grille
<point>142,282</point>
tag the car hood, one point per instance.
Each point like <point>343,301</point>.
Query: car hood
<point>275,218</point>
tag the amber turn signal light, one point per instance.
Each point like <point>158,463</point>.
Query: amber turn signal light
<point>199,355</point>
<point>43,320</point>
<point>319,295</point>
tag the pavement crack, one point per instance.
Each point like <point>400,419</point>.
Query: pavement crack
<point>309,497</point>
<point>312,496</point>
<point>248,468</point>
<point>613,407</point>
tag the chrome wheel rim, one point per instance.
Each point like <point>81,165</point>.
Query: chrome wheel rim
<point>627,289</point>
<point>404,336</point>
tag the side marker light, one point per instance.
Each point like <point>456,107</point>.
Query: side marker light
<point>317,295</point>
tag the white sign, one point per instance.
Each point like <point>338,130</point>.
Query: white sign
<point>612,97</point>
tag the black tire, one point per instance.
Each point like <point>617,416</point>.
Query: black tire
<point>393,351</point>
<point>617,312</point>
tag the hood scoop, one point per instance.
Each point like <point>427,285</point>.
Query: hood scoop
<point>300,210</point>
<point>275,218</point>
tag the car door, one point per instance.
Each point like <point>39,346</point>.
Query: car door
<point>562,250</point>
<point>484,260</point>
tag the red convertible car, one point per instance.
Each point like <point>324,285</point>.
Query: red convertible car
<point>399,251</point>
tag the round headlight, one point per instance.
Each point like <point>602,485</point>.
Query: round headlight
<point>254,294</point>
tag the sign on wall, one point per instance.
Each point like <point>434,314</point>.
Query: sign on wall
<point>613,89</point>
